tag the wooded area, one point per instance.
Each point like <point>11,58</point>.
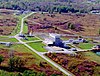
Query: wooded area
<point>50,5</point>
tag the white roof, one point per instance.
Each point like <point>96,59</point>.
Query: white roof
<point>47,41</point>
<point>54,35</point>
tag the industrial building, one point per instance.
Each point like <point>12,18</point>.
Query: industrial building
<point>57,41</point>
<point>6,43</point>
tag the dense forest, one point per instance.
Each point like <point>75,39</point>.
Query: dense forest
<point>51,5</point>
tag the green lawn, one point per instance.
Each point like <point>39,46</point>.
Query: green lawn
<point>17,47</point>
<point>5,39</point>
<point>91,56</point>
<point>38,46</point>
<point>25,28</point>
<point>30,39</point>
<point>1,37</point>
<point>86,45</point>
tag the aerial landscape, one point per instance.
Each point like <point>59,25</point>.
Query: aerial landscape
<point>49,37</point>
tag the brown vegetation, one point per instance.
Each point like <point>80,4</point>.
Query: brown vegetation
<point>76,64</point>
<point>7,22</point>
<point>67,23</point>
<point>29,62</point>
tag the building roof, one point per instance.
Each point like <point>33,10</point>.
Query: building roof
<point>54,35</point>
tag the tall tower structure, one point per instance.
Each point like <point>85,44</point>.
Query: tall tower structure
<point>58,41</point>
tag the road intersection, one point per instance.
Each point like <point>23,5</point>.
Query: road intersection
<point>38,53</point>
<point>41,54</point>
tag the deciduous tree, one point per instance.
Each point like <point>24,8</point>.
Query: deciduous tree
<point>1,59</point>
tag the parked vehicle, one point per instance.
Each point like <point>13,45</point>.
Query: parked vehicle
<point>73,49</point>
<point>75,42</point>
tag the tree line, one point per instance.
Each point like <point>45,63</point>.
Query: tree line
<point>47,6</point>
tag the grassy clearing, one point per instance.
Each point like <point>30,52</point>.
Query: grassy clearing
<point>25,28</point>
<point>91,56</point>
<point>17,29</point>
<point>16,47</point>
<point>5,39</point>
<point>38,46</point>
<point>85,45</point>
<point>30,39</point>
<point>2,37</point>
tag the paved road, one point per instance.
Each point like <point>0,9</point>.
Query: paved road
<point>41,55</point>
<point>33,41</point>
<point>22,21</point>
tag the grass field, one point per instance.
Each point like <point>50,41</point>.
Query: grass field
<point>85,45</point>
<point>17,29</point>
<point>1,37</point>
<point>91,56</point>
<point>30,39</point>
<point>5,39</point>
<point>16,47</point>
<point>38,46</point>
<point>25,29</point>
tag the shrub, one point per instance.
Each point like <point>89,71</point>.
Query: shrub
<point>32,73</point>
<point>15,63</point>
<point>1,59</point>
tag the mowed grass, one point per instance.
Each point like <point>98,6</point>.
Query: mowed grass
<point>86,45</point>
<point>1,37</point>
<point>5,39</point>
<point>16,47</point>
<point>25,28</point>
<point>38,46</point>
<point>30,39</point>
<point>91,56</point>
